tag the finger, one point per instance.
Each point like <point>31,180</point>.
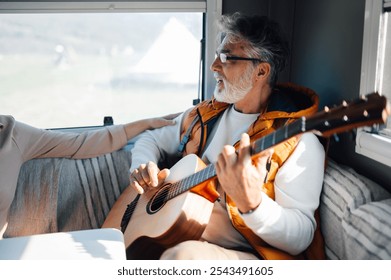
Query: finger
<point>153,172</point>
<point>160,122</point>
<point>144,175</point>
<point>138,177</point>
<point>165,122</point>
<point>136,186</point>
<point>244,141</point>
<point>228,156</point>
<point>218,167</point>
<point>244,148</point>
<point>162,175</point>
<point>171,116</point>
<point>221,162</point>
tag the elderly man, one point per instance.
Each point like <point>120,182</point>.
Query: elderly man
<point>267,205</point>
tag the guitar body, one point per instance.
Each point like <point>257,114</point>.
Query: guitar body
<point>154,227</point>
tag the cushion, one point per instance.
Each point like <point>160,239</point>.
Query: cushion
<point>344,190</point>
<point>57,194</point>
<point>367,231</point>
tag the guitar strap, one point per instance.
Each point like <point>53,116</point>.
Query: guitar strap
<point>186,137</point>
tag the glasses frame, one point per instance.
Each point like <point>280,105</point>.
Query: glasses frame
<point>224,58</point>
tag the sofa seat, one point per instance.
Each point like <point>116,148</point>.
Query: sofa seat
<point>62,195</point>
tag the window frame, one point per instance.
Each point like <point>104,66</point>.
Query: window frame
<point>102,6</point>
<point>369,142</point>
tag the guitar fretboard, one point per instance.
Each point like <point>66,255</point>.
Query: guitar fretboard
<point>191,181</point>
<point>279,136</point>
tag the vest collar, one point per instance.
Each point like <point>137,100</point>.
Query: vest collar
<point>291,101</point>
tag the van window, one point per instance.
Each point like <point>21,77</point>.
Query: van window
<point>72,69</point>
<point>375,142</point>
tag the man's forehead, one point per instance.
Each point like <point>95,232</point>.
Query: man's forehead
<point>229,45</point>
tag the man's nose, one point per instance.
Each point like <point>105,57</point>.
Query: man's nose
<point>216,64</point>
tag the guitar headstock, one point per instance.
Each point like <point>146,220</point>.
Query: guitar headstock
<point>365,111</point>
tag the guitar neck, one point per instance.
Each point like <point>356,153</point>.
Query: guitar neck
<point>278,136</point>
<point>368,110</point>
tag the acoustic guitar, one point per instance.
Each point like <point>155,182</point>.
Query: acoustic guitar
<point>165,216</point>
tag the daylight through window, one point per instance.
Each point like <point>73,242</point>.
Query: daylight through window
<point>72,69</point>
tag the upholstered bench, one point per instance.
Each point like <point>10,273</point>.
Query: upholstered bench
<point>62,195</point>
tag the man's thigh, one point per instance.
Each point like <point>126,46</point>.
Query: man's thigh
<point>202,250</point>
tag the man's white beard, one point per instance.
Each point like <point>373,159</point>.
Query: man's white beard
<point>235,91</point>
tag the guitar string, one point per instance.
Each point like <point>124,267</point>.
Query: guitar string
<point>186,184</point>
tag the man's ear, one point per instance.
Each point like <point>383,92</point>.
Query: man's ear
<point>263,70</point>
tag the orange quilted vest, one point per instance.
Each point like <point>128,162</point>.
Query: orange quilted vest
<point>199,122</point>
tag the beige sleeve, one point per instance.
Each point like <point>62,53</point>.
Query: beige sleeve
<point>35,143</point>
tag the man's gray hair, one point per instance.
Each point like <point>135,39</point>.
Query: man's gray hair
<point>264,36</point>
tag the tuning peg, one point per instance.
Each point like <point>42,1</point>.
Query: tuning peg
<point>326,109</point>
<point>344,103</point>
<point>326,123</point>
<point>345,118</point>
<point>363,97</point>
<point>365,113</point>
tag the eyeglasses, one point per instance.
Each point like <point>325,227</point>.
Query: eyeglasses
<point>223,58</point>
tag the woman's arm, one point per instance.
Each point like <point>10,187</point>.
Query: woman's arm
<point>38,143</point>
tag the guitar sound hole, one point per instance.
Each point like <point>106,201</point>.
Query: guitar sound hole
<point>158,200</point>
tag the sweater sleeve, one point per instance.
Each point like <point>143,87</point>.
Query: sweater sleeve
<point>154,145</point>
<point>39,143</point>
<point>288,223</point>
